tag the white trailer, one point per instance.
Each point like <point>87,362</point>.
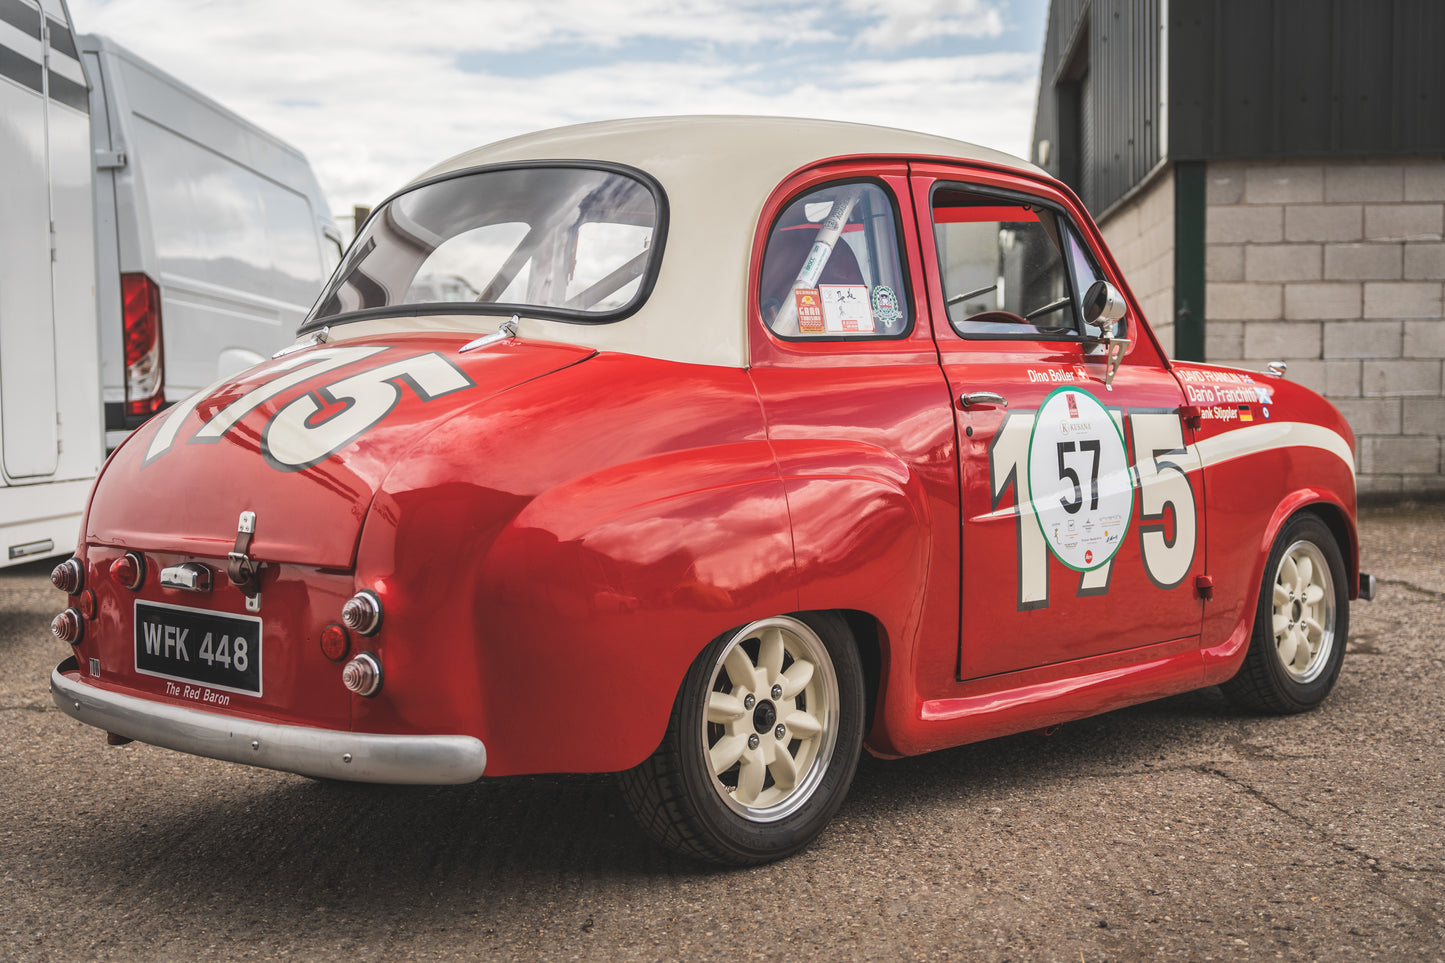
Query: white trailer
<point>51,440</point>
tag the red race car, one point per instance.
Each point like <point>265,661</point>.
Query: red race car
<point>708,451</point>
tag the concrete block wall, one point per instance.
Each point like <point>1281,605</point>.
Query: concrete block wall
<point>1338,268</point>
<point>1140,234</point>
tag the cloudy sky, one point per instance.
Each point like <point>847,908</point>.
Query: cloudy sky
<point>375,91</point>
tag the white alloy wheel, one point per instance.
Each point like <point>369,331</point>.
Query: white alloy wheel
<point>1304,612</point>
<point>771,718</point>
<point>1297,645</point>
<point>762,743</point>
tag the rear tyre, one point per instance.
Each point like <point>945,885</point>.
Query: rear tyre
<point>1300,626</point>
<point>762,744</point>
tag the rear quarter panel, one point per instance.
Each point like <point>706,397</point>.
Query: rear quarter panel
<point>553,563</point>
<point>1294,452</point>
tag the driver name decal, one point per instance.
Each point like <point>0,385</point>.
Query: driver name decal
<point>1074,374</point>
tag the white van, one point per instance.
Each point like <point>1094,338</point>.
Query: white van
<point>50,409</point>
<point>214,237</point>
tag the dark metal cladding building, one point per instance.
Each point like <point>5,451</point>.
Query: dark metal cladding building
<point>1271,176</point>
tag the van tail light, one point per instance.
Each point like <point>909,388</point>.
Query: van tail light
<point>145,380</point>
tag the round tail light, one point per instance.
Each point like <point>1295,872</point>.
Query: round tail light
<point>129,571</point>
<point>68,576</point>
<point>362,675</point>
<point>335,643</point>
<point>68,627</point>
<point>362,612</point>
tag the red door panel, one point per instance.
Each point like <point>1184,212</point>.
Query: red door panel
<point>1081,502</point>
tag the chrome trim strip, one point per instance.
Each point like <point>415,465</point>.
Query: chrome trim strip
<point>324,753</point>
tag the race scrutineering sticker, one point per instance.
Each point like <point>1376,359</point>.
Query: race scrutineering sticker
<point>810,310</point>
<point>846,309</point>
<point>886,309</point>
<point>1079,478</point>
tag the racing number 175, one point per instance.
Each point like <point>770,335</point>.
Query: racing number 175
<point>1159,472</point>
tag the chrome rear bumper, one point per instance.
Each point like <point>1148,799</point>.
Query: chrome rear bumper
<point>323,753</point>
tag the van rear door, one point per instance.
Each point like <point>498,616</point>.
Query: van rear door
<point>29,433</point>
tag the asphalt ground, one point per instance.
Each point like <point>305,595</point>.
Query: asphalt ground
<point>1183,829</point>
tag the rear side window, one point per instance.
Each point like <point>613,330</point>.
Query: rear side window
<point>1008,267</point>
<point>832,269</point>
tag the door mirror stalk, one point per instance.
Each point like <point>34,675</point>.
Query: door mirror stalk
<point>1104,307</point>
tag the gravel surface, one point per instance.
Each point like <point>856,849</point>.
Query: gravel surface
<point>1183,829</point>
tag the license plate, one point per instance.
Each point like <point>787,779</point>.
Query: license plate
<point>216,650</point>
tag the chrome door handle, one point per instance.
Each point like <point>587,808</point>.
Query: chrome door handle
<point>991,398</point>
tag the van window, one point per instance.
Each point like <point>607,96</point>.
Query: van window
<point>292,238</point>
<point>216,221</point>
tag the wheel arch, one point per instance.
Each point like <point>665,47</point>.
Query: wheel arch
<point>1331,510</point>
<point>1222,661</point>
<point>871,639</point>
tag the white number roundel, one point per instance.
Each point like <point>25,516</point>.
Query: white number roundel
<point>1079,479</point>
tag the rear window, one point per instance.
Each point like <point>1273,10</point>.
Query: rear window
<point>573,243</point>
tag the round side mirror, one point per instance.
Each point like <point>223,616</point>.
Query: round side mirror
<point>1103,305</point>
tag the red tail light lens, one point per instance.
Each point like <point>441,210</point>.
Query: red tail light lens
<point>335,643</point>
<point>145,383</point>
<point>362,612</point>
<point>67,627</point>
<point>362,675</point>
<point>129,571</point>
<point>68,576</point>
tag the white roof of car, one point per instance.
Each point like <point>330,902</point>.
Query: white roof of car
<point>716,171</point>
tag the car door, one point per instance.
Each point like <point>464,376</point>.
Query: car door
<point>1080,495</point>
<point>857,409</point>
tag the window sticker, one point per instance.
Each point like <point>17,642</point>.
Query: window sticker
<point>810,310</point>
<point>885,305</point>
<point>1079,476</point>
<point>846,309</point>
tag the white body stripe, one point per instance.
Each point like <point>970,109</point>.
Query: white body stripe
<point>1238,442</point>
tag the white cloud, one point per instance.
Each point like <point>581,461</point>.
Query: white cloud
<point>374,93</point>
<point>902,23</point>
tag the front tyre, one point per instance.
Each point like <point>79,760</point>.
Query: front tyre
<point>762,744</point>
<point>1301,625</point>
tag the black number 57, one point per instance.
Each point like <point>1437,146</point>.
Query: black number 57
<point>1092,447</point>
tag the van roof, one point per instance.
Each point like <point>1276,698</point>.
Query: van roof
<point>99,43</point>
